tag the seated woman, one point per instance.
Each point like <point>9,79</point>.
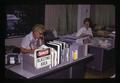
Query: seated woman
<point>33,40</point>
<point>84,34</point>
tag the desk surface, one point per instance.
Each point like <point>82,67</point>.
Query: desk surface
<point>95,43</point>
<point>107,48</point>
<point>27,74</point>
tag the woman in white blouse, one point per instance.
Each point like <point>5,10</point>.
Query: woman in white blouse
<point>84,34</point>
<point>33,40</point>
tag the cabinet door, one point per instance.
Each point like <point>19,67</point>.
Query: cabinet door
<point>98,58</point>
<point>62,74</point>
<point>109,59</point>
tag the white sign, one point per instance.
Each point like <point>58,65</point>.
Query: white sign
<point>43,61</point>
<point>42,58</point>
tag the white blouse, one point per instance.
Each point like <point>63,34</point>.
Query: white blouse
<point>28,39</point>
<point>83,30</point>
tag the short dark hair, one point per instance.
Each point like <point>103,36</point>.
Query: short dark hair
<point>88,20</point>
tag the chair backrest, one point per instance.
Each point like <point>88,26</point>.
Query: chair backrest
<point>49,36</point>
<point>12,49</point>
<point>16,50</point>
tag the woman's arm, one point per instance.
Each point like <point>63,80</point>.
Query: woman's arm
<point>84,35</point>
<point>90,33</point>
<point>24,50</point>
<point>79,33</point>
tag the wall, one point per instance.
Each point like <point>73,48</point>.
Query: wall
<point>62,18</point>
<point>52,16</point>
<point>14,41</point>
<point>103,14</point>
<point>83,12</point>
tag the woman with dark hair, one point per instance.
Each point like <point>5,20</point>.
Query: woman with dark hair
<point>84,34</point>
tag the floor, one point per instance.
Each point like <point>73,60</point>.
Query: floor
<point>93,74</point>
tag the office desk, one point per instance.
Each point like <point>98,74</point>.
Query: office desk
<point>69,70</point>
<point>104,58</point>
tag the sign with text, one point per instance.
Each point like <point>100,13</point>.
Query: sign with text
<point>43,58</point>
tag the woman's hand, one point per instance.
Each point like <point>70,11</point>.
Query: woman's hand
<point>24,50</point>
<point>87,40</point>
<point>32,50</point>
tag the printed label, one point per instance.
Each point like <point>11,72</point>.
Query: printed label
<point>43,61</point>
